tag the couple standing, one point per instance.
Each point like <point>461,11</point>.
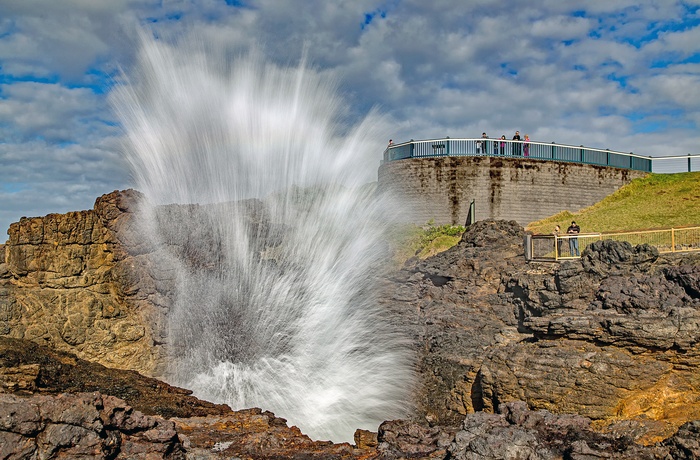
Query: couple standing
<point>573,229</point>
<point>525,145</point>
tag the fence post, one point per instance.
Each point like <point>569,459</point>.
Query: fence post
<point>673,240</point>
<point>527,246</point>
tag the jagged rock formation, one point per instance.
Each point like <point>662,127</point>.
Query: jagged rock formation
<point>76,282</point>
<point>86,425</point>
<point>613,335</point>
<point>93,284</point>
<point>54,405</point>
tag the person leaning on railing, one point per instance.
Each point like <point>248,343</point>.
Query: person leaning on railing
<point>573,241</point>
<point>526,146</point>
<point>482,146</point>
<point>516,145</point>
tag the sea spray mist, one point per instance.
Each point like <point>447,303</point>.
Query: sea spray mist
<point>255,195</point>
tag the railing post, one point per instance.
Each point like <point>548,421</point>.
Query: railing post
<point>689,169</point>
<point>412,148</point>
<point>528,246</point>
<point>580,154</point>
<point>447,148</point>
<point>553,150</point>
<point>673,240</point>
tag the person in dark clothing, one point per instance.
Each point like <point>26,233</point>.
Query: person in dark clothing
<point>573,241</point>
<point>516,145</point>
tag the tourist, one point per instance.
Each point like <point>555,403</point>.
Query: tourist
<point>573,241</point>
<point>391,142</point>
<point>503,144</point>
<point>516,145</point>
<point>526,146</point>
<point>558,239</point>
<point>482,146</point>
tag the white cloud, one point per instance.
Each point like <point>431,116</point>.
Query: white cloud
<point>52,112</point>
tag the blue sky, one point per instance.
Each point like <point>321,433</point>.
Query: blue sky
<point>615,74</point>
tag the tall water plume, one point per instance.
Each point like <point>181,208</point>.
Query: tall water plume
<point>256,196</point>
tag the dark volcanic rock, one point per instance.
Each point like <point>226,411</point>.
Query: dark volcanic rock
<point>58,406</point>
<point>27,368</point>
<point>83,425</point>
<point>518,433</point>
<point>613,335</point>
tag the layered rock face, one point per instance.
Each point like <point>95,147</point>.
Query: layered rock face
<point>611,336</point>
<point>95,284</point>
<point>79,282</point>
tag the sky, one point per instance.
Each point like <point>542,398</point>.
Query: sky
<point>617,74</point>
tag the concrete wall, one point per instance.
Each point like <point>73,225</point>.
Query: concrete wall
<point>503,188</point>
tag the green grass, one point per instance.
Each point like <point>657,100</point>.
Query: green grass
<point>653,202</point>
<point>411,240</point>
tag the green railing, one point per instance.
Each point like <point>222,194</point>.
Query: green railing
<point>433,148</point>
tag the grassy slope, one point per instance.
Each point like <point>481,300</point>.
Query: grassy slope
<point>655,201</point>
<point>410,240</point>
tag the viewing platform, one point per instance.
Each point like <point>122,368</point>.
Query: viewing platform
<point>457,147</point>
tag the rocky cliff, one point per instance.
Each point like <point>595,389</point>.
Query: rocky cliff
<point>54,405</point>
<point>92,283</point>
<point>84,282</point>
<point>611,336</point>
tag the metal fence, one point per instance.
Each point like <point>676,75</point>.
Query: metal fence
<point>563,247</point>
<point>432,148</point>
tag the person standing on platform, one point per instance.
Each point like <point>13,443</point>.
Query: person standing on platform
<point>482,146</point>
<point>573,241</point>
<point>526,146</point>
<point>557,238</point>
<point>516,145</point>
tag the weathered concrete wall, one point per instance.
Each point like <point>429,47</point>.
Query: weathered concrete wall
<point>502,188</point>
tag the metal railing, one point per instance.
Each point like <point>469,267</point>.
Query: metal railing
<point>563,247</point>
<point>432,148</point>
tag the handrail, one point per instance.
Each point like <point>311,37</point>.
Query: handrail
<point>432,148</point>
<point>550,247</point>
